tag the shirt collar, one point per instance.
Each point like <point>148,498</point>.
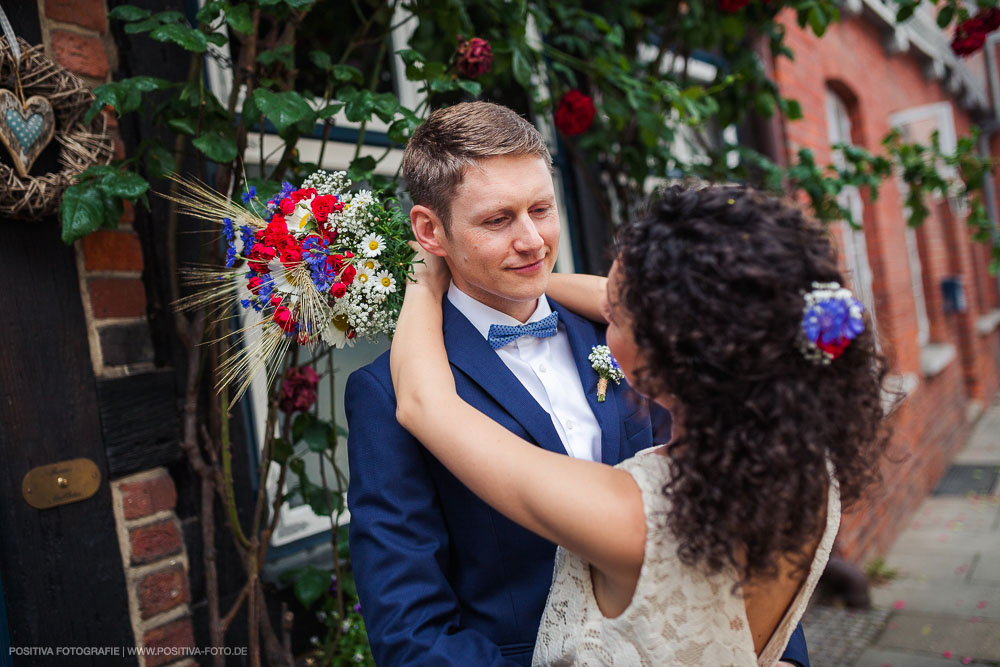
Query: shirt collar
<point>482,316</point>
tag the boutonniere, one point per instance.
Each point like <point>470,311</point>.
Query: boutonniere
<point>607,369</point>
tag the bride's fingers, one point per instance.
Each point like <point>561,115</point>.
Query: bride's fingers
<point>429,269</point>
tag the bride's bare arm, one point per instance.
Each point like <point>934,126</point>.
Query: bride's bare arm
<point>581,293</point>
<point>591,509</point>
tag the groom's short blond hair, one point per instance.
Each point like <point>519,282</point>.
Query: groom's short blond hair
<point>455,138</point>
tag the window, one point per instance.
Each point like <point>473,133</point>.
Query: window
<point>918,125</point>
<point>855,248</point>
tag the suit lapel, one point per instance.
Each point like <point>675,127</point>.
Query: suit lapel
<point>469,352</point>
<point>582,338</point>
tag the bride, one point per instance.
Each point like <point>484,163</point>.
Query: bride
<point>725,306</point>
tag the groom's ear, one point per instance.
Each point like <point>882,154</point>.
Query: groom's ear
<point>428,229</point>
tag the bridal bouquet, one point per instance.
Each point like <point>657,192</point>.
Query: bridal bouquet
<point>318,265</point>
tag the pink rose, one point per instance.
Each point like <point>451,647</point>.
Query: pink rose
<point>474,57</point>
<point>298,392</point>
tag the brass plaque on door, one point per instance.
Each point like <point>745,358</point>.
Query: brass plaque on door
<point>60,483</point>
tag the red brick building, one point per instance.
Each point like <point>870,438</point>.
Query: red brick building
<point>118,563</point>
<point>865,77</point>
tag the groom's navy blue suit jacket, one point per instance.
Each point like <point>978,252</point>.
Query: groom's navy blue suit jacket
<point>443,578</point>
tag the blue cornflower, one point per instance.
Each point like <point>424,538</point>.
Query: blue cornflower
<point>249,194</point>
<point>246,235</point>
<point>227,228</point>
<point>245,303</point>
<point>266,287</point>
<point>230,254</point>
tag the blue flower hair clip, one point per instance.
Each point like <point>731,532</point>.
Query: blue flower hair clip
<point>831,319</point>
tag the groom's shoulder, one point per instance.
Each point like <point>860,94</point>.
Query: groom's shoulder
<point>377,369</point>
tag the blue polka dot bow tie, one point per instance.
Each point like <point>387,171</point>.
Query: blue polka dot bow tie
<point>501,334</point>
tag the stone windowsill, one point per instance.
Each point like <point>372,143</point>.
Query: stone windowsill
<point>935,357</point>
<point>897,387</point>
<point>987,324</point>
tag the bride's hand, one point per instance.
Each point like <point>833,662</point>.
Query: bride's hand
<point>430,270</point>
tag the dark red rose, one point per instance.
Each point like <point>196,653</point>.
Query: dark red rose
<point>283,318</point>
<point>298,392</point>
<point>338,290</point>
<point>287,206</point>
<point>733,6</point>
<point>575,113</point>
<point>322,205</point>
<point>965,44</point>
<point>299,195</point>
<point>254,284</point>
<point>474,57</point>
<point>329,233</point>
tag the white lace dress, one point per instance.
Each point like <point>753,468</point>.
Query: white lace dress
<point>678,614</point>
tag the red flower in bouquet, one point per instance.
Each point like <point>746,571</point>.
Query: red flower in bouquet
<point>322,206</point>
<point>287,206</point>
<point>474,57</point>
<point>575,113</point>
<point>284,318</point>
<point>338,290</point>
<point>298,392</point>
<point>299,195</point>
<point>260,255</point>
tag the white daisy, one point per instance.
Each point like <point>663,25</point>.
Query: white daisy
<point>364,276</point>
<point>372,265</point>
<point>372,245</point>
<point>300,217</point>
<point>335,333</point>
<point>384,283</point>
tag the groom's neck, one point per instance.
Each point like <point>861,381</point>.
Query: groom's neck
<point>519,310</point>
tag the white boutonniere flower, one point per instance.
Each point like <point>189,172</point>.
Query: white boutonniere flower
<point>607,369</point>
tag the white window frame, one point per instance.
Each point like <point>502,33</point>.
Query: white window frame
<point>943,114</point>
<point>853,238</point>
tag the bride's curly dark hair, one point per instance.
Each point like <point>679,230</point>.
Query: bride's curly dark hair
<point>712,280</point>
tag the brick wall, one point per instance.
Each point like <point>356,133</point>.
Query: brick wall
<point>110,270</point>
<point>156,564</point>
<point>933,421</point>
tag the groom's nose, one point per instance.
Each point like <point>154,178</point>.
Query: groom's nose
<point>528,240</point>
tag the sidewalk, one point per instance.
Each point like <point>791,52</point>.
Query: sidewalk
<point>943,608</point>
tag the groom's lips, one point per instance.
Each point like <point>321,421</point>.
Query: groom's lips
<point>529,268</point>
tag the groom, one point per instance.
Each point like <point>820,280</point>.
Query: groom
<point>444,579</point>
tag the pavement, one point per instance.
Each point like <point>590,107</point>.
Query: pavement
<point>943,606</point>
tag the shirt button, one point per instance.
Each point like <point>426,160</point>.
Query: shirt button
<point>569,424</point>
<point>541,368</point>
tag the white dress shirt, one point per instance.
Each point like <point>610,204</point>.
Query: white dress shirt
<point>546,368</point>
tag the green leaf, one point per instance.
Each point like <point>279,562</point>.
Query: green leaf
<point>182,125</point>
<point>142,26</point>
<point>521,68</point>
<point>317,436</point>
<point>282,451</point>
<point>282,109</point>
<point>124,185</point>
<point>320,59</point>
<point>301,422</point>
<point>348,73</point>
<point>793,110</point>
<point>185,37</point>
<point>329,110</point>
<point>216,147</point>
<point>128,13</point>
<point>216,38</point>
<point>945,16</point>
<point>299,4</point>
<point>473,88</point>
<point>311,584</point>
<point>159,161</point>
<point>238,18</point>
<point>210,11</point>
<point>362,168</point>
<point>81,211</point>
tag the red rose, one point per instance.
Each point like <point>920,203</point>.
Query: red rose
<point>283,318</point>
<point>275,230</point>
<point>335,262</point>
<point>575,113</point>
<point>298,391</point>
<point>322,205</point>
<point>338,290</point>
<point>260,255</point>
<point>329,233</point>
<point>291,257</point>
<point>474,57</point>
<point>347,277</point>
<point>287,206</point>
<point>965,44</point>
<point>299,195</point>
<point>733,6</point>
<point>254,284</point>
